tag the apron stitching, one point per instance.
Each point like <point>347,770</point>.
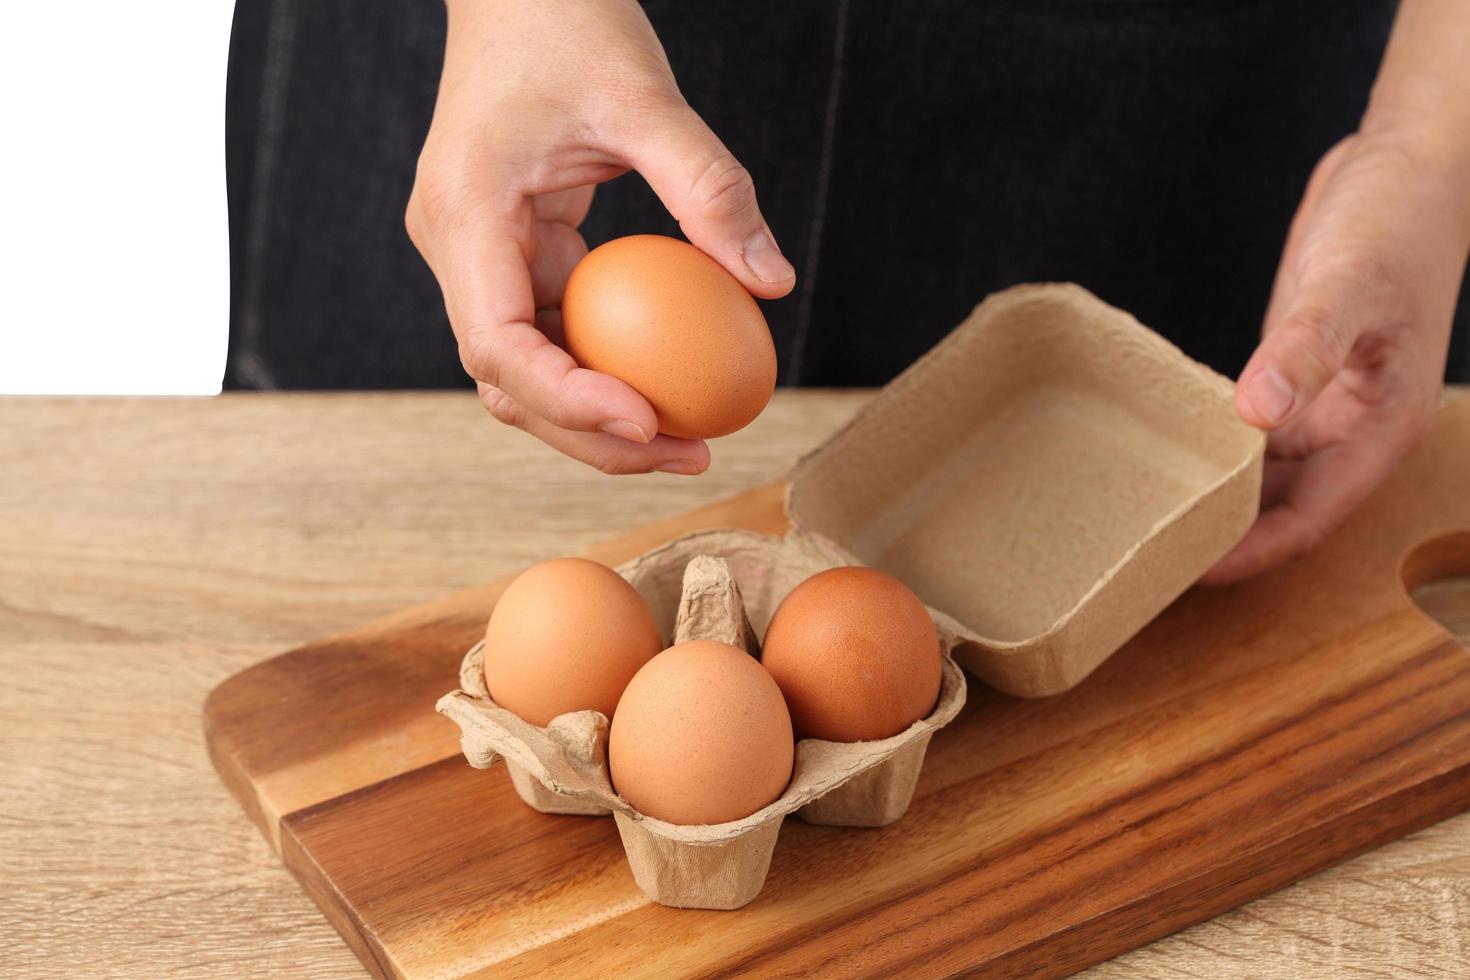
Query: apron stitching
<point>275,81</point>
<point>819,208</point>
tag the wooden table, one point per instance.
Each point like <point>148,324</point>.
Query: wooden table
<point>150,548</point>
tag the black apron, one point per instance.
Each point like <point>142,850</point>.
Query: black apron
<point>911,158</point>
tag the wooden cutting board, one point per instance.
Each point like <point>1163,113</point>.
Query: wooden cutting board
<point>1246,738</point>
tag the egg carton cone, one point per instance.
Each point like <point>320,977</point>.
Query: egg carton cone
<point>713,585</point>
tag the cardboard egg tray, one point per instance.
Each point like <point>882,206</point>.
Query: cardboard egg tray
<point>705,586</point>
<point>1047,479</point>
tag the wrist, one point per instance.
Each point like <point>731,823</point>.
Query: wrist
<point>1433,138</point>
<point>1428,122</point>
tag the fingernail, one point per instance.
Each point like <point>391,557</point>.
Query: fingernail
<point>1271,395</point>
<point>764,260</point>
<point>624,429</point>
<point>683,467</point>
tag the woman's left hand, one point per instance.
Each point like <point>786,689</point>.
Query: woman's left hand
<point>1351,361</point>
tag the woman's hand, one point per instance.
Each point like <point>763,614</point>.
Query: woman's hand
<point>539,101</point>
<point>1350,364</point>
<point>1349,368</point>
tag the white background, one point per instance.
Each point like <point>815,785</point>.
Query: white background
<point>114,268</point>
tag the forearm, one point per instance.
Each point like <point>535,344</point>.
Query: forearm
<point>1422,96</point>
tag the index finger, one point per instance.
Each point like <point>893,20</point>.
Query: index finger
<point>487,291</point>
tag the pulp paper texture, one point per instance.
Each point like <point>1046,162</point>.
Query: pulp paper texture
<point>710,607</point>
<point>733,578</point>
<point>1051,476</point>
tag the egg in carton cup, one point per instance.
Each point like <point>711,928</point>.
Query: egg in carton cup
<point>706,586</point>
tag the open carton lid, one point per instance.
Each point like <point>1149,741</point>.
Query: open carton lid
<point>1050,476</point>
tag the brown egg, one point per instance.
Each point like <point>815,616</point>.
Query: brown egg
<point>667,319</point>
<point>701,736</point>
<point>566,635</point>
<point>856,655</point>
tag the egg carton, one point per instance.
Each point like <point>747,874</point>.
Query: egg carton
<point>713,585</point>
<point>1051,476</point>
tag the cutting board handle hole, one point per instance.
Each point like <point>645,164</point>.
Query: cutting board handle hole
<point>1437,577</point>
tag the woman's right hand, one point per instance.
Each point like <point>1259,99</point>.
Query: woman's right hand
<point>539,101</point>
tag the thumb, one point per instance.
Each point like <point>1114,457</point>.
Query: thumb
<point>1301,352</point>
<point>711,196</point>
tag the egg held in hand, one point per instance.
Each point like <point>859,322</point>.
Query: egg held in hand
<point>701,736</point>
<point>567,635</point>
<point>855,654</point>
<point>660,315</point>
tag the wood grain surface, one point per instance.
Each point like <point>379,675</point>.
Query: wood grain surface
<point>1248,737</point>
<point>149,549</point>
